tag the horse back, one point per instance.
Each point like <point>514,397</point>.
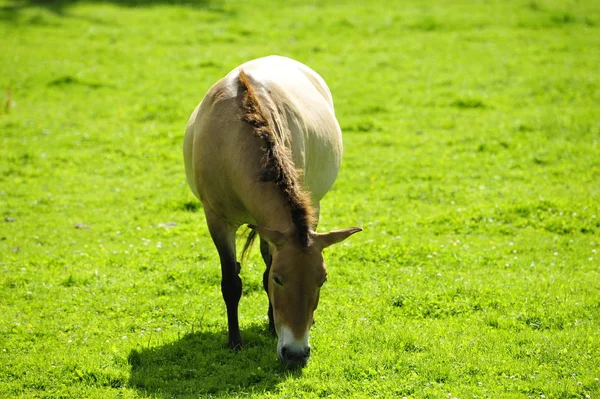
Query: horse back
<point>223,156</point>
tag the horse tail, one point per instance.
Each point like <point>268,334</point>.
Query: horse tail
<point>248,245</point>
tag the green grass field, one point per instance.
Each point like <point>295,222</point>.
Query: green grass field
<point>472,161</point>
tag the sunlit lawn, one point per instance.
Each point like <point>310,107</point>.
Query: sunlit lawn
<point>472,162</point>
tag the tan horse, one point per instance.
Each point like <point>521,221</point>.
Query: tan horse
<point>262,148</point>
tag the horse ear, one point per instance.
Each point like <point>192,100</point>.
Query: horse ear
<point>273,237</point>
<point>324,240</point>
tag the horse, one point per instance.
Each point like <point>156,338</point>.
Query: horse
<point>262,149</point>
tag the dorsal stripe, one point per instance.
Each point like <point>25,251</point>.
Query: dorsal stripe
<point>277,165</point>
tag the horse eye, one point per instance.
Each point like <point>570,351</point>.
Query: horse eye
<point>277,281</point>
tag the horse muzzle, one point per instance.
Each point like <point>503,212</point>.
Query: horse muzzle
<point>293,352</point>
<point>294,357</point>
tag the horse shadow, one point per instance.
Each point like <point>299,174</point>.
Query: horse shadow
<point>199,363</point>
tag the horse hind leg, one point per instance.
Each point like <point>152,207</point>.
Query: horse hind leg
<point>266,255</point>
<point>223,236</point>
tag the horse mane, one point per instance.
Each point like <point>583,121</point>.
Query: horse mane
<point>277,165</point>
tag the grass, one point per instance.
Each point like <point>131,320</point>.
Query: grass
<point>471,161</point>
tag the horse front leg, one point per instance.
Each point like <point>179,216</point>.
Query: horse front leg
<point>223,236</point>
<point>266,255</point>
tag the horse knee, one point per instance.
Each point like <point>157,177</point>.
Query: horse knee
<point>231,288</point>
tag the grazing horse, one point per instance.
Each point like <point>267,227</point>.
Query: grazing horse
<point>262,148</point>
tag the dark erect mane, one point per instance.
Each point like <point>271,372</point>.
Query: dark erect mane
<point>277,165</point>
